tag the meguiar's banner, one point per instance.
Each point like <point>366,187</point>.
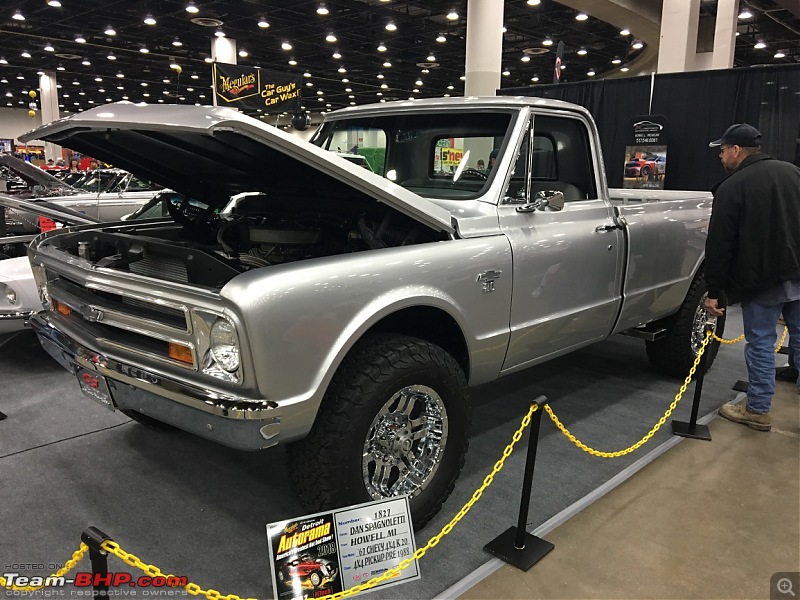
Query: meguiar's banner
<point>248,88</point>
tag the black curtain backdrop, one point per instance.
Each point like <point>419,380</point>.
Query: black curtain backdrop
<point>699,106</point>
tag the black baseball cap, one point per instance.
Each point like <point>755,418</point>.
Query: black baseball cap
<point>740,134</point>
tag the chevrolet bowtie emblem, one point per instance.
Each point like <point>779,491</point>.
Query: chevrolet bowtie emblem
<point>488,278</point>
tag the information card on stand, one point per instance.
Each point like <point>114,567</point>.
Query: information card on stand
<point>325,553</point>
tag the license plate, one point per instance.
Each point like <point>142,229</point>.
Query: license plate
<point>96,387</point>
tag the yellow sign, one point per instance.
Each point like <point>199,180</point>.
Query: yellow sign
<point>452,156</point>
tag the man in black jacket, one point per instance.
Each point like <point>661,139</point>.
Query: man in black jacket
<point>753,257</point>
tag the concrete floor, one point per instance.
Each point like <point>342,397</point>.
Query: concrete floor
<point>705,520</point>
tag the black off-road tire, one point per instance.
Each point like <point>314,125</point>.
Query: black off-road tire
<point>147,421</point>
<point>326,467</point>
<point>673,355</point>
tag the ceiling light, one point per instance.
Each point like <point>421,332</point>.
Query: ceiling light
<point>25,54</point>
<point>431,58</point>
<point>624,69</point>
<point>348,90</point>
<point>380,76</point>
<point>309,84</point>
<point>306,74</point>
<point>525,58</point>
<point>581,17</point>
<point>80,39</point>
<point>143,84</point>
<point>336,55</point>
<point>54,3</point>
<point>3,60</point>
<point>441,39</point>
<point>176,67</point>
<point>286,46</point>
<point>330,38</point>
<point>342,70</point>
<point>506,72</point>
<point>547,42</point>
<point>387,64</point>
<point>391,26</point>
<point>425,71</point>
<point>322,9</point>
<point>534,2</point>
<point>780,54</point>
<point>165,81</point>
<point>208,59</point>
<point>177,43</point>
<point>76,82</point>
<point>345,80</point>
<point>452,15</point>
<point>591,73</point>
<point>582,52</point>
<point>760,45</point>
<point>243,53</point>
<point>219,33</point>
<point>60,68</point>
<point>625,31</point>
<point>384,86</point>
<point>49,48</point>
<point>262,22</point>
<point>86,62</point>
<point>120,75</point>
<point>450,87</point>
<point>110,31</point>
<point>149,20</point>
<point>418,82</point>
<point>191,8</point>
<point>18,16</point>
<point>616,61</point>
<point>535,78</point>
<point>293,62</point>
<point>745,14</point>
<point>637,45</point>
<point>143,50</point>
<point>20,76</point>
<point>111,57</point>
<point>381,48</point>
<point>99,80</point>
<point>320,92</point>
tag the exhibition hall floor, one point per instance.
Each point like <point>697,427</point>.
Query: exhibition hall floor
<point>199,510</point>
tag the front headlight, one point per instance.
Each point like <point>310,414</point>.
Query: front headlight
<point>224,346</point>
<point>8,294</point>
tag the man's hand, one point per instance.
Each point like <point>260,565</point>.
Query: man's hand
<point>712,306</point>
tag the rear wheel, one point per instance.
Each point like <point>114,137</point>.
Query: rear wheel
<point>675,353</point>
<point>394,421</point>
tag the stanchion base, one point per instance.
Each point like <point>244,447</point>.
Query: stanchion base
<point>740,386</point>
<point>503,548</point>
<point>700,432</point>
<point>3,416</point>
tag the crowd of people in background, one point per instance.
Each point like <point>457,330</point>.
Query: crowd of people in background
<point>74,165</point>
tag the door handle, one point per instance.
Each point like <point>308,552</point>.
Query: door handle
<point>604,228</point>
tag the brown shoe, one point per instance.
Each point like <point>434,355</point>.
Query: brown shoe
<point>738,413</point>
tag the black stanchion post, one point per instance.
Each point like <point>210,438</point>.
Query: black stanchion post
<point>94,538</point>
<point>692,429</point>
<point>515,545</point>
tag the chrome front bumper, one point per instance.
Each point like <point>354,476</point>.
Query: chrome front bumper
<point>17,321</point>
<point>243,423</point>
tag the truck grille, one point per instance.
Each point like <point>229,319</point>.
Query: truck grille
<point>163,267</point>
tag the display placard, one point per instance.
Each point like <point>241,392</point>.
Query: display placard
<point>321,554</point>
<point>646,153</point>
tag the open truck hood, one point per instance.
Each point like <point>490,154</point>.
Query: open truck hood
<point>212,153</point>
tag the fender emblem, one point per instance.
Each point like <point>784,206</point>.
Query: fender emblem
<point>487,278</point>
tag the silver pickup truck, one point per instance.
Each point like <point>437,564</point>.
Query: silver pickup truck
<point>295,297</point>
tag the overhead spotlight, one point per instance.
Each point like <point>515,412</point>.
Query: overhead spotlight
<point>243,53</point>
<point>330,38</point>
<point>110,31</point>
<point>86,62</point>
<point>120,75</point>
<point>431,58</point>
<point>780,54</point>
<point>451,87</point>
<point>534,2</point>
<point>262,22</point>
<point>322,9</point>
<point>380,76</point>
<point>208,59</point>
<point>506,72</point>
<point>637,45</point>
<point>525,58</point>
<point>54,3</point>
<point>99,80</point>
<point>381,48</point>
<point>745,14</point>
<point>293,62</point>
<point>441,39</point>
<point>452,16</point>
<point>49,48</point>
<point>80,39</point>
<point>177,43</point>
<point>535,78</point>
<point>176,67</point>
<point>25,54</point>
<point>18,16</point>
<point>60,68</point>
<point>616,61</point>
<point>582,52</point>
<point>219,33</point>
<point>191,8</point>
<point>547,42</point>
<point>387,64</point>
<point>625,31</point>
<point>144,50</point>
<point>3,60</point>
<point>581,17</point>
<point>286,46</point>
<point>760,45</point>
<point>624,69</point>
<point>391,26</point>
<point>149,20</point>
<point>384,86</point>
<point>306,74</point>
<point>342,70</point>
<point>591,73</point>
<point>336,55</point>
<point>425,71</point>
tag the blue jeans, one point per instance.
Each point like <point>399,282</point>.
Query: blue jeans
<point>759,353</point>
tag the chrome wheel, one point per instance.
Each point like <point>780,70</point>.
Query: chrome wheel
<point>405,443</point>
<point>701,319</point>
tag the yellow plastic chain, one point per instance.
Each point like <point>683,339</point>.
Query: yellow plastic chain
<point>741,337</point>
<point>68,566</point>
<point>391,573</point>
<point>153,571</point>
<point>650,433</point>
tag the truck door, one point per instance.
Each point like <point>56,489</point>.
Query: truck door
<point>567,262</point>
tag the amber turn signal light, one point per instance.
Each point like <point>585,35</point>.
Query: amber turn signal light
<point>180,353</point>
<point>62,308</point>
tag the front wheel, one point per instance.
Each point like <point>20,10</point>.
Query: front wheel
<point>675,353</point>
<point>394,421</point>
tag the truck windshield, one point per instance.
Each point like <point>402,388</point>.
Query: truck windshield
<point>434,154</point>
